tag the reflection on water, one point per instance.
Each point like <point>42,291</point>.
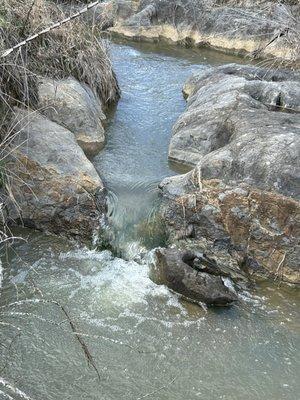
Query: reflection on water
<point>145,341</point>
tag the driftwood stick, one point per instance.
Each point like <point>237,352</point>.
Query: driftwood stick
<point>81,342</point>
<point>72,325</point>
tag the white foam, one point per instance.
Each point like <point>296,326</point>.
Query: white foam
<point>251,298</point>
<point>134,251</point>
<point>116,281</point>
<point>228,283</point>
<point>121,282</point>
<point>87,254</point>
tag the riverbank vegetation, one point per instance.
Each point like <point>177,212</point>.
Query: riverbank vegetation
<point>74,49</point>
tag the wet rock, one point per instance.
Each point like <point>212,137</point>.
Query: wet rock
<point>242,124</point>
<point>192,275</point>
<point>54,186</point>
<point>74,106</point>
<point>254,232</point>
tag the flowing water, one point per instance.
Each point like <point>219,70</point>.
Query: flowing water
<point>144,341</point>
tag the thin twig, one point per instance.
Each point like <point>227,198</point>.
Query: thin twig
<point>81,342</point>
<point>72,325</point>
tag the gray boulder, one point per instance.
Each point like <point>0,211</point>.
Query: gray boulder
<point>193,276</point>
<point>242,125</point>
<point>74,106</point>
<point>53,185</point>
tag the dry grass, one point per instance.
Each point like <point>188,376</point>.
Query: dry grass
<point>7,177</point>
<point>272,24</point>
<point>75,49</point>
<point>266,22</point>
<point>278,22</point>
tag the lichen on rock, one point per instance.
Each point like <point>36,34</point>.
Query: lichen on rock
<point>234,128</point>
<point>257,231</point>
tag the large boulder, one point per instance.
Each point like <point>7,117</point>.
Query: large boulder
<point>193,276</point>
<point>53,185</point>
<point>74,106</point>
<point>242,124</point>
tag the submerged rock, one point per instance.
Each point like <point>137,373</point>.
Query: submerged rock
<point>53,185</point>
<point>192,275</point>
<point>74,106</point>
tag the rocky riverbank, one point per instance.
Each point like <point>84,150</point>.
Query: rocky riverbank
<point>53,107</point>
<point>239,205</point>
<point>262,28</point>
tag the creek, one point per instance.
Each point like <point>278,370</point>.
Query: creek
<point>145,341</point>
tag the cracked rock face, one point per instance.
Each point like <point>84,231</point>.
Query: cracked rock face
<point>189,275</point>
<point>241,125</point>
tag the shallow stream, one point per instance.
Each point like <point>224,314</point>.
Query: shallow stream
<point>144,341</point>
